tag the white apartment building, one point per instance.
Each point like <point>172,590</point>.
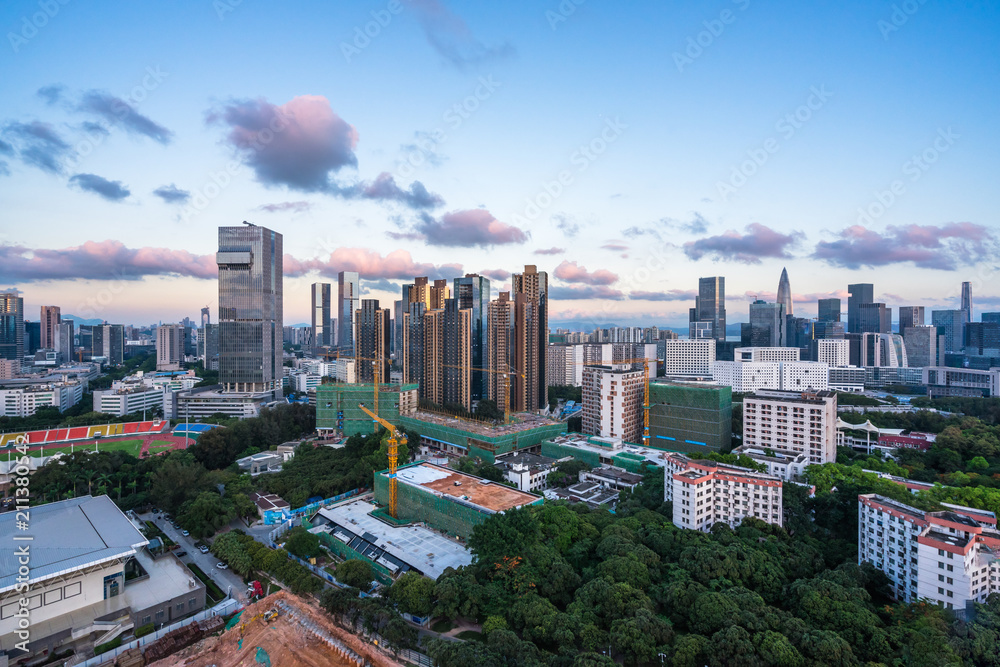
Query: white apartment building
<point>529,472</point>
<point>612,402</point>
<point>346,371</point>
<point>25,401</point>
<point>834,352</point>
<point>688,357</point>
<point>786,465</point>
<point>129,399</point>
<point>169,347</point>
<point>704,493</point>
<point>303,382</point>
<point>776,354</point>
<point>945,558</point>
<point>748,376</point>
<point>564,365</point>
<point>792,423</point>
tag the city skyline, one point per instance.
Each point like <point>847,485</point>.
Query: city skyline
<point>654,191</point>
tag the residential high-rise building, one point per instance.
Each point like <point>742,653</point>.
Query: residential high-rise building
<point>250,263</point>
<point>107,341</point>
<point>430,294</point>
<point>499,348</point>
<point>531,324</point>
<point>348,298</point>
<point>967,300</point>
<point>456,354</point>
<point>710,306</point>
<point>785,292</point>
<point>829,310</point>
<point>767,324</point>
<point>11,325</point>
<point>834,352</point>
<point>921,345</point>
<point>565,365</point>
<point>50,318</point>
<point>371,336</point>
<point>951,325</point>
<point>613,402</point>
<point>473,293</point>
<point>794,422</point>
<point>944,558</point>
<point>321,314</point>
<point>688,357</point>
<point>910,316</point>
<point>169,347</point>
<point>413,357</point>
<point>874,318</point>
<point>859,293</point>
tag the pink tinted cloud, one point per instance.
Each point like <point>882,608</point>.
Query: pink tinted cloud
<point>570,292</point>
<point>550,251</point>
<point>944,247</point>
<point>668,295</point>
<point>370,264</point>
<point>758,241</point>
<point>101,260</point>
<point>468,228</point>
<point>572,272</point>
<point>496,274</point>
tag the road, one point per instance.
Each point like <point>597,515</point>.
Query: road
<point>226,580</point>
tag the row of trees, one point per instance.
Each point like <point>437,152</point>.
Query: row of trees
<point>247,556</point>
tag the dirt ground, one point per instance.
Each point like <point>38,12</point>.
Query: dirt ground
<point>286,642</point>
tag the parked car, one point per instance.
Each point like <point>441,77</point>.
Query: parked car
<point>203,549</point>
<point>185,533</point>
<point>222,566</point>
<point>180,554</point>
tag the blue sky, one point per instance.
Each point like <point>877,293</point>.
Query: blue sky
<point>725,138</point>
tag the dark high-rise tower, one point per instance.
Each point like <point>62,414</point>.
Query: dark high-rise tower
<point>473,293</point>
<point>829,310</point>
<point>371,337</point>
<point>910,316</point>
<point>11,325</point>
<point>531,323</point>
<point>348,300</point>
<point>859,294</point>
<point>785,292</point>
<point>322,323</point>
<point>250,309</point>
<point>967,300</point>
<point>50,318</point>
<point>710,305</point>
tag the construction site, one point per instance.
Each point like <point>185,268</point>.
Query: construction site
<point>448,500</point>
<point>281,630</point>
<point>480,439</point>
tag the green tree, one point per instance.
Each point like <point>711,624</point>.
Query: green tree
<point>413,593</point>
<point>302,543</point>
<point>355,573</point>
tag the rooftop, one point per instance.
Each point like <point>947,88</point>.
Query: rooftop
<point>268,501</point>
<point>463,488</point>
<point>522,421</point>
<point>508,461</point>
<point>68,535</point>
<point>420,548</point>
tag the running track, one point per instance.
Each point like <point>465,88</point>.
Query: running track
<point>147,441</point>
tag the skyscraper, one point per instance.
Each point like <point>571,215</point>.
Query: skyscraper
<point>499,348</point>
<point>65,341</point>
<point>206,319</point>
<point>829,310</point>
<point>371,336</point>
<point>859,294</point>
<point>967,300</point>
<point>322,297</point>
<point>11,325</point>
<point>951,325</point>
<point>169,347</point>
<point>910,316</point>
<point>874,318</point>
<point>767,324</point>
<point>49,322</point>
<point>106,341</point>
<point>531,302</point>
<point>456,354</point>
<point>473,293</point>
<point>250,263</point>
<point>921,345</point>
<point>785,292</point>
<point>710,306</point>
<point>348,300</point>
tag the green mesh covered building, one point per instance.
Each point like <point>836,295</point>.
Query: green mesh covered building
<point>688,417</point>
<point>480,439</point>
<point>448,500</point>
<point>597,451</point>
<point>337,406</point>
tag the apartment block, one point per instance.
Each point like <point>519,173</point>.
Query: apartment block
<point>688,357</point>
<point>612,402</point>
<point>792,423</point>
<point>947,558</point>
<point>704,493</point>
<point>834,352</point>
<point>565,365</point>
<point>749,376</point>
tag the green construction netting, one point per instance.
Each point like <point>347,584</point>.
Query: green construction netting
<point>234,620</point>
<point>262,657</point>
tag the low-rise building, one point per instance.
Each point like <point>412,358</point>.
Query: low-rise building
<point>202,402</point>
<point>704,493</point>
<point>528,472</point>
<point>25,401</point>
<point>947,557</point>
<point>261,462</point>
<point>128,399</point>
<point>268,502</point>
<point>786,465</point>
<point>611,477</point>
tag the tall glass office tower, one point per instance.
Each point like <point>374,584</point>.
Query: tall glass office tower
<point>250,309</point>
<point>348,301</point>
<point>322,322</point>
<point>473,293</point>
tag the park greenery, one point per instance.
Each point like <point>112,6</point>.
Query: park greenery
<point>246,556</point>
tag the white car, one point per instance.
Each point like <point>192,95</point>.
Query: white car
<point>203,549</point>
<point>185,533</point>
<point>222,566</point>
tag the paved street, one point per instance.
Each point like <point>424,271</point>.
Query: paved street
<point>226,580</point>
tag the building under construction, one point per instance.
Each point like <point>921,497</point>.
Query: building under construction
<point>479,439</point>
<point>448,500</point>
<point>337,410</point>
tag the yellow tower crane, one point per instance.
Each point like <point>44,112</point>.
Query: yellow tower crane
<point>645,392</point>
<point>396,438</point>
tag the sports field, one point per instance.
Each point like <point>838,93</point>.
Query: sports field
<point>132,447</point>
